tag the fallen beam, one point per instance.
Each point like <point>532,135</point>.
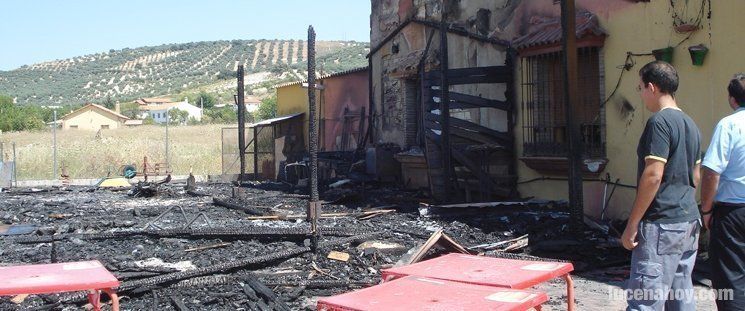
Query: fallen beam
<point>226,232</point>
<point>245,209</point>
<point>263,291</point>
<point>224,267</point>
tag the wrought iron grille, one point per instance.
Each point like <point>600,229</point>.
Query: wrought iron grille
<point>543,112</point>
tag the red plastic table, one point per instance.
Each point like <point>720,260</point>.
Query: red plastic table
<point>507,273</point>
<point>89,276</point>
<point>421,293</point>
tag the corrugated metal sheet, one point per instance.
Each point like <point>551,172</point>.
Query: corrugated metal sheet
<point>549,32</point>
<point>276,120</point>
<point>331,75</point>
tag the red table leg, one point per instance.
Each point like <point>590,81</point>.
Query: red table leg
<point>94,298</point>
<point>570,292</point>
<point>114,298</point>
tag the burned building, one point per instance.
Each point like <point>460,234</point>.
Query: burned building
<point>468,144</point>
<point>506,101</point>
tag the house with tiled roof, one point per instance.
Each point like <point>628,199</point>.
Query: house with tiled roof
<point>93,117</point>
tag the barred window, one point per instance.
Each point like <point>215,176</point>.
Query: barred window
<point>543,111</point>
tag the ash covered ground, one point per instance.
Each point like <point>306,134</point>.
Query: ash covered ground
<point>212,257</point>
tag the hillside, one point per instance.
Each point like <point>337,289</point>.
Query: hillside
<point>127,74</point>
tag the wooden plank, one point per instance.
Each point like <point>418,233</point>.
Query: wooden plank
<point>465,101</point>
<point>482,176</point>
<point>339,256</point>
<point>468,130</point>
<point>475,75</point>
<point>503,138</point>
<point>434,138</point>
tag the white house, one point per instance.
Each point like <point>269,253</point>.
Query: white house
<point>159,112</point>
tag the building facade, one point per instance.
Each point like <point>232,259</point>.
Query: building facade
<point>93,117</point>
<point>343,106</point>
<point>615,38</point>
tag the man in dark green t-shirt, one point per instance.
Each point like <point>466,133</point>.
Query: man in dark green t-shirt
<point>664,224</point>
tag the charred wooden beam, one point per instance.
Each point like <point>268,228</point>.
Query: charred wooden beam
<point>178,303</point>
<point>207,281</point>
<point>266,293</point>
<point>245,209</point>
<point>503,138</point>
<point>465,101</point>
<point>491,74</point>
<point>483,177</point>
<point>252,262</point>
<point>320,284</point>
<point>447,168</point>
<point>572,108</point>
<point>351,240</point>
<point>314,206</point>
<point>240,101</point>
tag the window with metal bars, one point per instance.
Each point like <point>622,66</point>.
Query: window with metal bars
<point>543,112</point>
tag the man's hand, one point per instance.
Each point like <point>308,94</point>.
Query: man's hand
<point>707,221</point>
<point>628,239</point>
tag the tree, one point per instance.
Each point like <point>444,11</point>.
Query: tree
<point>267,108</point>
<point>148,120</point>
<point>203,98</point>
<point>131,110</point>
<point>108,102</point>
<point>177,116</point>
<point>17,118</point>
<point>220,115</point>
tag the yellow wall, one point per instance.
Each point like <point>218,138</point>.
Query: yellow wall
<point>294,99</point>
<point>640,28</point>
<point>90,120</point>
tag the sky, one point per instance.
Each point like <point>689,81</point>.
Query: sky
<point>33,31</point>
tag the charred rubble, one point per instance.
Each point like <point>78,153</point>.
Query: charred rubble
<point>220,247</point>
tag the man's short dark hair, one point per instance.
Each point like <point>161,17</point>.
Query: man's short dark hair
<point>736,89</point>
<point>662,75</point>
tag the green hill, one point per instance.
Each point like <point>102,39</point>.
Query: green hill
<point>127,74</point>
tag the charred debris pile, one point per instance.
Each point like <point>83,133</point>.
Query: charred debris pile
<point>222,247</point>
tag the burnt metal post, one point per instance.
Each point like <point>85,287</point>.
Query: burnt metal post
<point>241,124</point>
<point>314,206</point>
<point>568,24</point>
<point>54,145</point>
<point>168,143</point>
<point>445,108</point>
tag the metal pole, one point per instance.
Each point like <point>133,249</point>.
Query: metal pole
<point>568,23</point>
<point>15,166</point>
<point>54,142</point>
<point>242,124</point>
<point>168,158</point>
<point>314,206</point>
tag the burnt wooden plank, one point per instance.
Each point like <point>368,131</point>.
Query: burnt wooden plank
<point>466,129</point>
<point>483,177</point>
<point>465,101</point>
<point>434,138</point>
<point>492,74</point>
<point>503,138</point>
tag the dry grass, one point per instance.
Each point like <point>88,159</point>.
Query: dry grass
<point>196,148</point>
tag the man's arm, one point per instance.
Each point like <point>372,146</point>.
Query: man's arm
<point>697,174</point>
<point>708,192</point>
<point>647,188</point>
